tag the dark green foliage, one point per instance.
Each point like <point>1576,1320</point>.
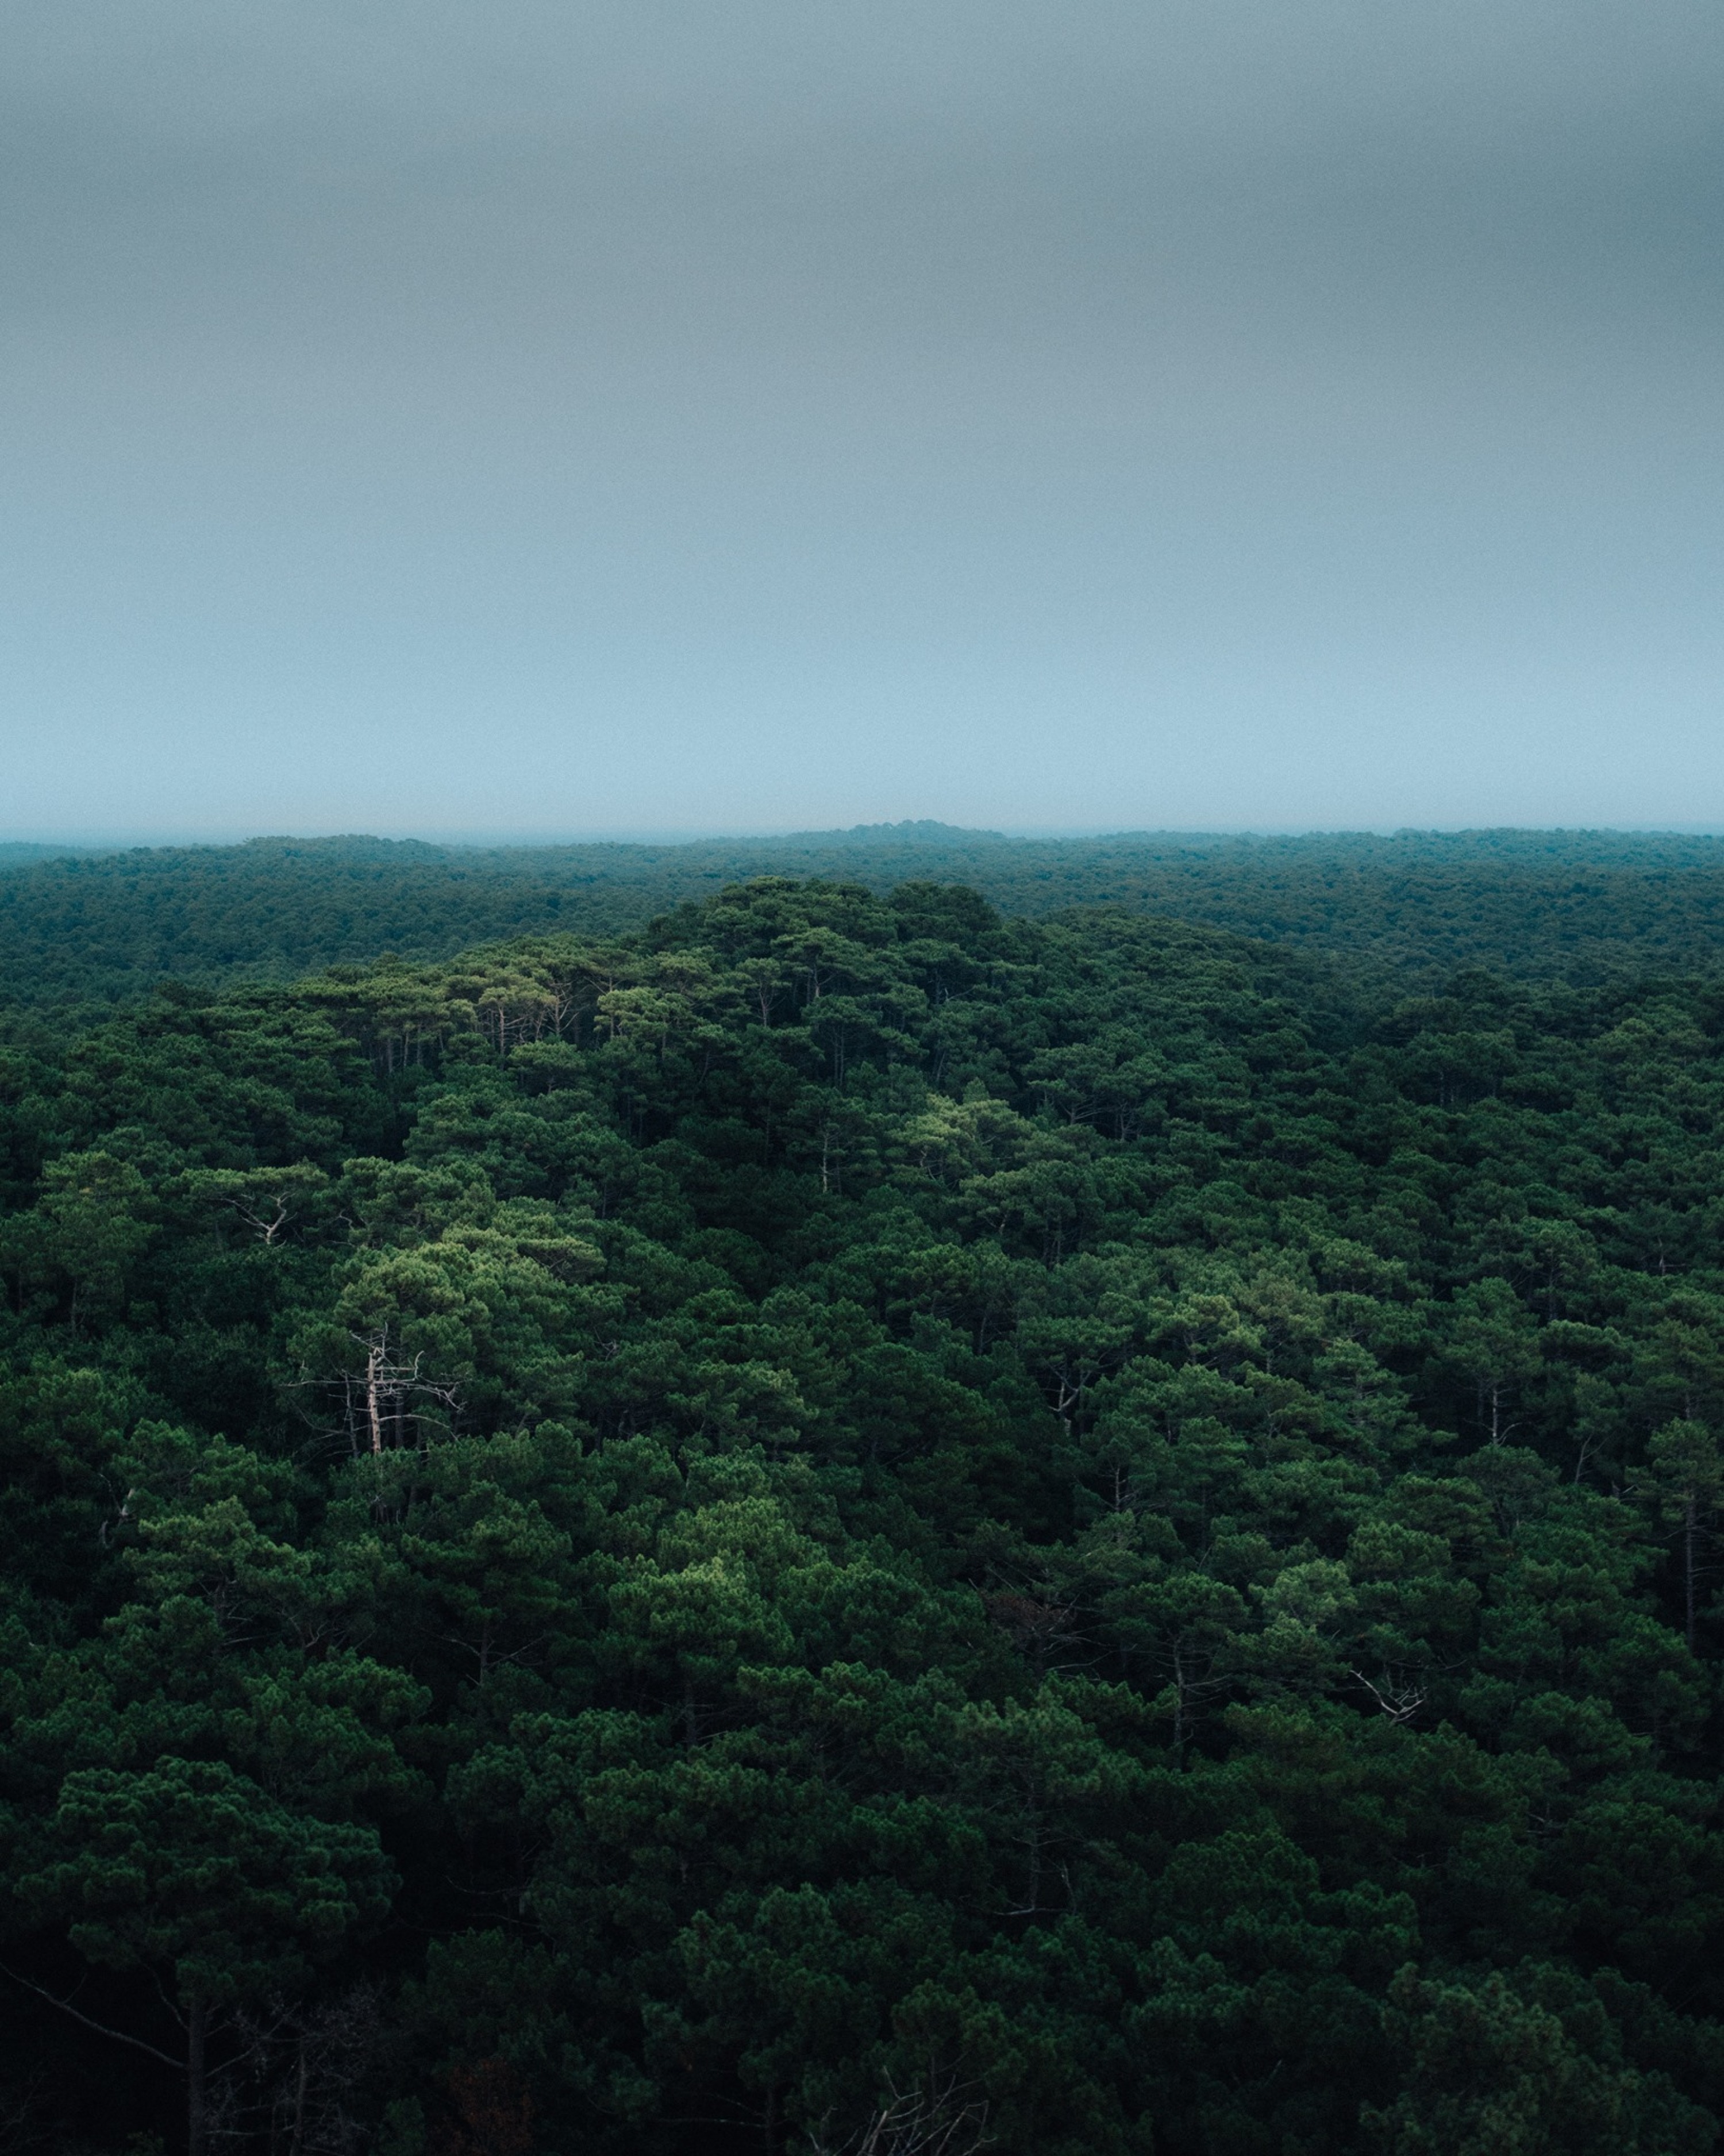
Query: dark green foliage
<point>844,1519</point>
<point>1546,905</point>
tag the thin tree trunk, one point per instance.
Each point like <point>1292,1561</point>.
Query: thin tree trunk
<point>1690,1528</point>
<point>1178,1709</point>
<point>196,2119</point>
<point>373,1364</point>
<point>299,2100</point>
<point>1036,1860</point>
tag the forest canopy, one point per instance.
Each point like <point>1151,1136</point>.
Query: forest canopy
<point>839,1522</point>
<point>1540,905</point>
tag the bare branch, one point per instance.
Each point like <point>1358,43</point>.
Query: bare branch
<point>1400,1702</point>
<point>101,2028</point>
<point>917,2122</point>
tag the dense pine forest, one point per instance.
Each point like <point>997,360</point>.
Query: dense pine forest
<point>1576,906</point>
<point>836,1520</point>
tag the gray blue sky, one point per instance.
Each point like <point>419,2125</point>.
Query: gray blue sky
<point>520,418</point>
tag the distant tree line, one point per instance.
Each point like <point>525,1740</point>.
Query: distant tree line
<point>1576,905</point>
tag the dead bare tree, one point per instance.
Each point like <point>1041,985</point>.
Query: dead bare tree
<point>267,1200</point>
<point>391,1392</point>
<point>296,2077</point>
<point>936,2118</point>
<point>1400,1700</point>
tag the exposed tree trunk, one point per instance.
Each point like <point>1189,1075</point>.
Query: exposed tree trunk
<point>299,2099</point>
<point>1178,1708</point>
<point>690,1714</point>
<point>197,2109</point>
<point>373,1366</point>
<point>1690,1530</point>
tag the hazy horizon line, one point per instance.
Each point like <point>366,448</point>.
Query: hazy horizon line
<point>99,839</point>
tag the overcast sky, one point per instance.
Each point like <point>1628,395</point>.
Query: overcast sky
<point>533,417</point>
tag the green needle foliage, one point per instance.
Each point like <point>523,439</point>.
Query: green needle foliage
<point>844,1524</point>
